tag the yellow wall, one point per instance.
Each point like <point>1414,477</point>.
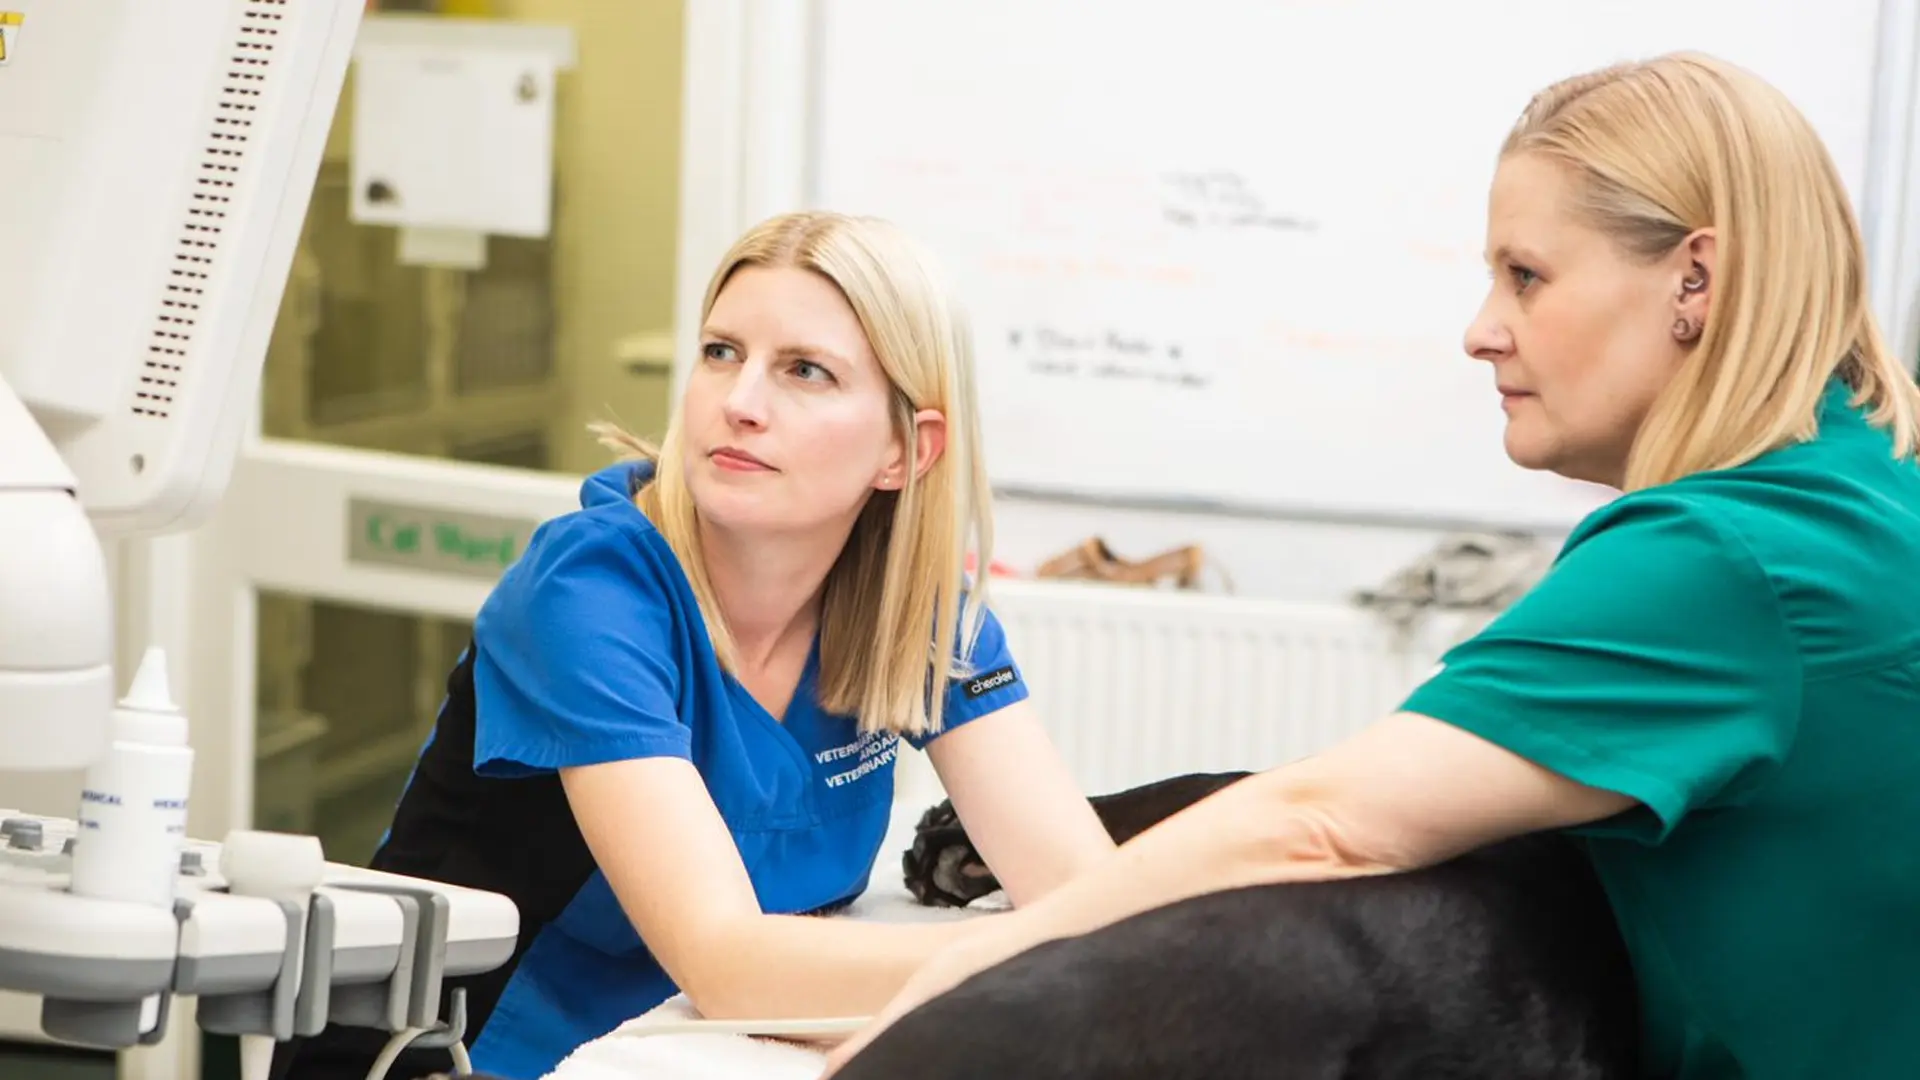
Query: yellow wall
<point>618,177</point>
<point>617,206</point>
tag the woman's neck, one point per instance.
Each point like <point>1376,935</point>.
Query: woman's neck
<point>768,589</point>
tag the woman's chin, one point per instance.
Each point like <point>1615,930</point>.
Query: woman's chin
<point>1526,449</point>
<point>723,508</point>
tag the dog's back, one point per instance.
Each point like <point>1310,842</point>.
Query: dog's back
<point>1503,963</point>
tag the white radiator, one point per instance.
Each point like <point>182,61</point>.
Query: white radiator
<point>1138,684</point>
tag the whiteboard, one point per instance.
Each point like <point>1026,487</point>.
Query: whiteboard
<point>1223,253</point>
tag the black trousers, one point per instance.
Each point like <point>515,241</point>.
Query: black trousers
<point>346,1053</point>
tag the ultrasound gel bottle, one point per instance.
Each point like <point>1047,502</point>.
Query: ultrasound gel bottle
<point>133,802</point>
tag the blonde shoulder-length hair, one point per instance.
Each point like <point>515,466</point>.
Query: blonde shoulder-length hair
<point>897,617</point>
<point>1667,146</point>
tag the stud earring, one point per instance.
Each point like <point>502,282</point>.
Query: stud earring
<point>1685,330</point>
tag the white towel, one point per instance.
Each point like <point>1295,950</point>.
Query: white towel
<point>629,1053</point>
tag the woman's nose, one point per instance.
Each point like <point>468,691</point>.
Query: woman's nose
<point>1487,336</point>
<point>746,401</point>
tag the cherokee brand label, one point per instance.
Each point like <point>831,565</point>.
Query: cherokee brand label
<point>992,680</point>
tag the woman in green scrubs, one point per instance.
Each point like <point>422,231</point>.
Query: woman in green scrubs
<point>1717,686</point>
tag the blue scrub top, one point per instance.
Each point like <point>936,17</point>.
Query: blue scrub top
<point>592,649</point>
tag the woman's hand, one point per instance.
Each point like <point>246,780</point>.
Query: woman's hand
<point>1006,936</point>
<point>934,978</point>
<point>1032,825</point>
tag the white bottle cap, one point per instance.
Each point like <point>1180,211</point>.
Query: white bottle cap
<point>147,714</point>
<point>280,866</point>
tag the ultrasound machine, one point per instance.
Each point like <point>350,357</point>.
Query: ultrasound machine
<point>156,161</point>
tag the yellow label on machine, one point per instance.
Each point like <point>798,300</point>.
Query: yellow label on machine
<point>9,32</point>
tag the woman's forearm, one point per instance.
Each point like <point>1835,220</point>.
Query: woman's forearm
<point>1248,834</point>
<point>809,967</point>
<point>1405,793</point>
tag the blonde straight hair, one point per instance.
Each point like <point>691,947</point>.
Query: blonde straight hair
<point>896,605</point>
<point>1664,147</point>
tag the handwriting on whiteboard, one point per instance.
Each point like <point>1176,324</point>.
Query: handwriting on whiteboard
<point>1105,355</point>
<point>1222,199</point>
<point>1097,269</point>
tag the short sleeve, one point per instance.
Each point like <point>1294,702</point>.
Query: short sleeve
<point>573,657</point>
<point>1653,660</point>
<point>993,682</point>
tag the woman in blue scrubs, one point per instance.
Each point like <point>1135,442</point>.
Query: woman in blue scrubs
<point>1717,686</point>
<point>673,735</point>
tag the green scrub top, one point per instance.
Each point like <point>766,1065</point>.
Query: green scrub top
<point>1739,650</point>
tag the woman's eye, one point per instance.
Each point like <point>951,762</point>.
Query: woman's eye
<point>717,350</point>
<point>811,372</point>
<point>1522,277</point>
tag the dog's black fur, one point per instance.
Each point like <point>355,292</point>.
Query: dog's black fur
<point>1503,963</point>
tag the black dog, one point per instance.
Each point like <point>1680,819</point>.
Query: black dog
<point>1503,963</point>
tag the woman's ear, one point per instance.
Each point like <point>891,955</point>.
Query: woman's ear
<point>929,442</point>
<point>1697,259</point>
<point>1696,282</point>
<point>930,439</point>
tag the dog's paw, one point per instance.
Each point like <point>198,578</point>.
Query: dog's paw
<point>942,869</point>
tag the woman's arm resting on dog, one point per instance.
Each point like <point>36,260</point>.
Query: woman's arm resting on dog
<point>1407,792</point>
<point>1018,801</point>
<point>654,831</point>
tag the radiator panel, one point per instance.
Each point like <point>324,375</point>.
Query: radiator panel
<point>1137,684</point>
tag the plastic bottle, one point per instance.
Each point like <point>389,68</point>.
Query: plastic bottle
<point>133,802</point>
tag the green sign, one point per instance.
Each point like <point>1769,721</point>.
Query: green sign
<point>434,540</point>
